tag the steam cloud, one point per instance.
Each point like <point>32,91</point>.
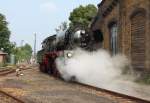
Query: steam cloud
<point>96,68</point>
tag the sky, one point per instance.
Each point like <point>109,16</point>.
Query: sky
<point>27,17</point>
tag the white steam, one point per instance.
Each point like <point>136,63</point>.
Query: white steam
<point>97,68</point>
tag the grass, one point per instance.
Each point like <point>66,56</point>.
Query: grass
<point>144,79</point>
<point>3,64</point>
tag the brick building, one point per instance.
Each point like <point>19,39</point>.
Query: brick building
<point>125,25</point>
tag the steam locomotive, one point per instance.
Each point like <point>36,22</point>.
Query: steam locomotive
<point>63,44</point>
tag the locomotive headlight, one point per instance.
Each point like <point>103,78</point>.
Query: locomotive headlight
<point>69,55</point>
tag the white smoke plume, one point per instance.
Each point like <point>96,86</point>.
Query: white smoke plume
<point>96,68</point>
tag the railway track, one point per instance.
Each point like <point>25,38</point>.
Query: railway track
<point>4,96</point>
<point>106,93</point>
<point>12,70</point>
<point>6,71</point>
<point>112,94</point>
<point>115,95</point>
<point>7,98</point>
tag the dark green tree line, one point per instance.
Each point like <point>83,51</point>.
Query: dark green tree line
<point>5,44</point>
<point>82,15</point>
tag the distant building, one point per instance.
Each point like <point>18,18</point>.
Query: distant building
<point>2,57</point>
<point>125,25</point>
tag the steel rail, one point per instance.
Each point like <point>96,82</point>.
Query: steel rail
<point>9,71</point>
<point>3,73</point>
<point>3,70</point>
<point>11,96</point>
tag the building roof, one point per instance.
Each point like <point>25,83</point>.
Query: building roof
<point>101,3</point>
<point>2,53</point>
<point>105,7</point>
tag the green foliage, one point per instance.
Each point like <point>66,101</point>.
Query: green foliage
<point>61,27</point>
<point>40,55</point>
<point>82,15</point>
<point>1,64</point>
<point>23,53</point>
<point>4,35</point>
<point>144,79</point>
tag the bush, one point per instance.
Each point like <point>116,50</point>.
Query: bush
<point>144,78</point>
<point>1,64</point>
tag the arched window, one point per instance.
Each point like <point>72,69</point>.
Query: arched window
<point>138,26</point>
<point>113,29</point>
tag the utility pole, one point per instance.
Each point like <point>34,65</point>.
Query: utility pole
<point>34,47</point>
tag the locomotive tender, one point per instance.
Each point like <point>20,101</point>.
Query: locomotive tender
<point>62,45</point>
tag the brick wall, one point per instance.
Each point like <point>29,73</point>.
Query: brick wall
<point>120,11</point>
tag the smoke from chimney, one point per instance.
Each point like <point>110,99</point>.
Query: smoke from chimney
<point>96,68</point>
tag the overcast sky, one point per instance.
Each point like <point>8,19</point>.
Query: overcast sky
<point>27,17</point>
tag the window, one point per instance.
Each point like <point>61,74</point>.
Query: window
<point>114,38</point>
<point>138,27</point>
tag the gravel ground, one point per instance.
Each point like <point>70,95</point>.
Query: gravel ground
<point>36,87</point>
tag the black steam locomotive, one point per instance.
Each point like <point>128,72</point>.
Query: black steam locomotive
<point>61,45</point>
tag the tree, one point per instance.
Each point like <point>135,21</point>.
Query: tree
<point>23,53</point>
<point>4,35</point>
<point>82,15</point>
<point>27,51</point>
<point>61,27</point>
